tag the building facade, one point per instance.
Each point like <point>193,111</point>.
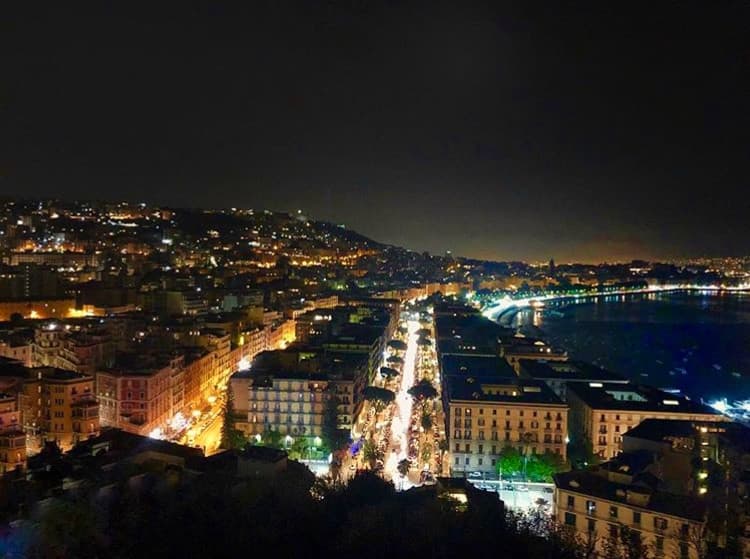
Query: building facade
<point>485,418</point>
<point>602,412</point>
<point>606,510</point>
<point>70,411</point>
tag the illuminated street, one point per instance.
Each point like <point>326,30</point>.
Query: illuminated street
<point>399,443</point>
<point>209,434</point>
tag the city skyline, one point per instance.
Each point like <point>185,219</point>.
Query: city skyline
<point>369,279</point>
<point>504,134</point>
<point>155,352</point>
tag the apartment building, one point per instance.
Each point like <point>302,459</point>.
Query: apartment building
<point>75,346</point>
<point>17,348</point>
<point>291,403</point>
<point>281,333</point>
<point>706,459</point>
<point>364,339</point>
<point>70,411</point>
<point>516,348</point>
<point>461,330</point>
<point>85,352</point>
<point>603,412</point>
<point>608,505</point>
<point>287,390</point>
<point>487,414</point>
<point>54,404</point>
<point>140,394</point>
<point>12,436</point>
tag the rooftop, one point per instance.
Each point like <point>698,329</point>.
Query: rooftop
<point>12,368</point>
<point>140,363</point>
<point>630,397</point>
<point>472,328</point>
<point>664,430</point>
<point>589,483</point>
<point>525,344</point>
<point>62,375</point>
<point>127,444</point>
<point>567,370</point>
<point>500,391</point>
<point>477,366</point>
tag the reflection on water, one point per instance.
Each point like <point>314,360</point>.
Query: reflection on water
<point>697,342</point>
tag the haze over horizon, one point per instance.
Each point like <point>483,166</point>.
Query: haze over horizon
<point>504,133</point>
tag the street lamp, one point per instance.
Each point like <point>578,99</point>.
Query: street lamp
<point>316,443</point>
<point>288,440</point>
<point>258,438</point>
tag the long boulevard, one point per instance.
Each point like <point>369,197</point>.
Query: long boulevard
<point>399,443</point>
<point>506,303</point>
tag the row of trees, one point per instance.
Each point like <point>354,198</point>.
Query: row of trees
<point>366,519</point>
<point>512,462</point>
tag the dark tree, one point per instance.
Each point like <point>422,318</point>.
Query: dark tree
<point>388,372</point>
<point>423,390</point>
<point>333,437</point>
<point>230,436</point>
<point>398,345</point>
<point>380,397</point>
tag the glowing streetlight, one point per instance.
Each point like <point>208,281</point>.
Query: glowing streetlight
<point>317,441</point>
<point>258,438</point>
<point>288,440</point>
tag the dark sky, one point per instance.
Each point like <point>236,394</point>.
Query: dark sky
<point>514,132</point>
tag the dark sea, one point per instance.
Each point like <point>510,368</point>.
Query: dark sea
<point>697,342</point>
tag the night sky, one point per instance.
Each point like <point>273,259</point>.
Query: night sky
<point>509,132</point>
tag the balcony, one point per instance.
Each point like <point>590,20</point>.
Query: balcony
<point>13,439</point>
<point>86,409</point>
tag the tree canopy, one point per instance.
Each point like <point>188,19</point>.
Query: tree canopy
<point>230,436</point>
<point>509,462</point>
<point>398,345</point>
<point>333,437</point>
<point>365,518</point>
<point>423,390</point>
<point>371,453</point>
<point>377,394</point>
<point>538,467</point>
<point>388,372</point>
